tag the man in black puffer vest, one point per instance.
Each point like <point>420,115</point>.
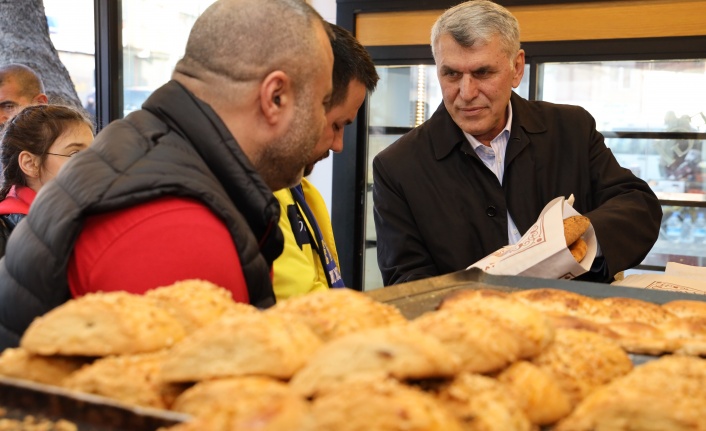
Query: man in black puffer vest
<point>239,119</point>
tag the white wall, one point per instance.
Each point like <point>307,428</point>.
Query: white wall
<point>322,177</point>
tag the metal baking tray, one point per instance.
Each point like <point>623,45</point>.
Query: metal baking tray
<point>21,398</point>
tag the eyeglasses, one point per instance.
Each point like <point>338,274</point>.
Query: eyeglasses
<point>63,155</point>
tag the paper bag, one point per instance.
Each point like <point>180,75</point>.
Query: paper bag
<point>542,251</point>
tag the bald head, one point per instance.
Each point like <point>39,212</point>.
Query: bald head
<point>243,40</point>
<point>20,86</point>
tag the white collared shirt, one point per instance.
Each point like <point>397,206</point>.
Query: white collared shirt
<point>494,158</point>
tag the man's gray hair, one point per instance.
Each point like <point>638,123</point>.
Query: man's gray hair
<point>477,21</point>
<point>243,40</point>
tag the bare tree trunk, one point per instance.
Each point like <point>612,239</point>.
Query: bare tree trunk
<point>24,38</point>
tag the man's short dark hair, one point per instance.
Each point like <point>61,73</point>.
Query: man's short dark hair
<point>350,61</point>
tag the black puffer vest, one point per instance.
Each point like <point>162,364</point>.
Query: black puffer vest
<point>177,146</point>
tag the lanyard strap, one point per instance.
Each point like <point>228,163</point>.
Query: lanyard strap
<point>333,275</point>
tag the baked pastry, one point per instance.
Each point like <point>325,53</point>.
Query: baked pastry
<point>686,308</point>
<point>564,302</point>
<point>194,303</point>
<point>132,379</point>
<point>665,394</point>
<point>101,324</point>
<point>572,322</point>
<point>538,393</point>
<point>574,227</point>
<point>242,345</point>
<point>382,406</point>
<point>18,363</point>
<point>578,249</point>
<point>401,352</point>
<point>687,333</point>
<point>481,344</point>
<point>483,404</point>
<point>530,325</point>
<point>636,310</point>
<point>333,313</point>
<point>581,361</point>
<point>642,338</point>
<point>260,403</point>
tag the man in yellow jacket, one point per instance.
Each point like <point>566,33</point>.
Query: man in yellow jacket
<point>309,261</point>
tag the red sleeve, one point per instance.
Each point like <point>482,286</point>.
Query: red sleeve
<point>155,244</point>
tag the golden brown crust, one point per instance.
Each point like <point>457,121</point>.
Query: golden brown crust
<point>539,394</point>
<point>194,303</point>
<point>574,227</point>
<point>688,334</point>
<point>581,361</point>
<point>101,324</point>
<point>481,344</point>
<point>131,379</point>
<point>333,313</point>
<point>241,402</point>
<point>484,404</point>
<point>636,310</point>
<point>666,394</point>
<point>530,325</point>
<point>642,338</point>
<point>563,302</point>
<point>578,249</point>
<point>381,406</point>
<point>400,352</point>
<point>686,308</point>
<point>52,370</point>
<point>242,345</point>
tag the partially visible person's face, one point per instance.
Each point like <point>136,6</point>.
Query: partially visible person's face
<point>337,118</point>
<point>476,84</point>
<point>11,100</point>
<point>289,154</point>
<point>75,138</point>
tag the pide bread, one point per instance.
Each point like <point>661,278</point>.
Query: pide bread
<point>381,406</point>
<point>581,361</point>
<point>336,312</point>
<point>538,393</point>
<point>531,326</point>
<point>563,302</point>
<point>101,324</point>
<point>483,403</point>
<point>686,308</point>
<point>242,345</point>
<point>194,303</point>
<point>131,379</point>
<point>635,310</point>
<point>665,394</point>
<point>574,227</point>
<point>18,363</point>
<point>481,344</point>
<point>243,403</point>
<point>578,249</point>
<point>401,352</point>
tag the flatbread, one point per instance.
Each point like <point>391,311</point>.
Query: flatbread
<point>246,344</point>
<point>574,227</point>
<point>578,249</point>
<point>101,324</point>
<point>483,403</point>
<point>402,352</point>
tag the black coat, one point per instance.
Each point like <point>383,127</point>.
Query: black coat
<point>175,146</point>
<point>439,209</point>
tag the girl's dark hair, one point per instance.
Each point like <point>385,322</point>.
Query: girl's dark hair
<point>33,129</point>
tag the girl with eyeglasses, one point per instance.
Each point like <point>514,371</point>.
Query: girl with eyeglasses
<point>34,145</point>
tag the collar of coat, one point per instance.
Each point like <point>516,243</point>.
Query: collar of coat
<point>447,135</point>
